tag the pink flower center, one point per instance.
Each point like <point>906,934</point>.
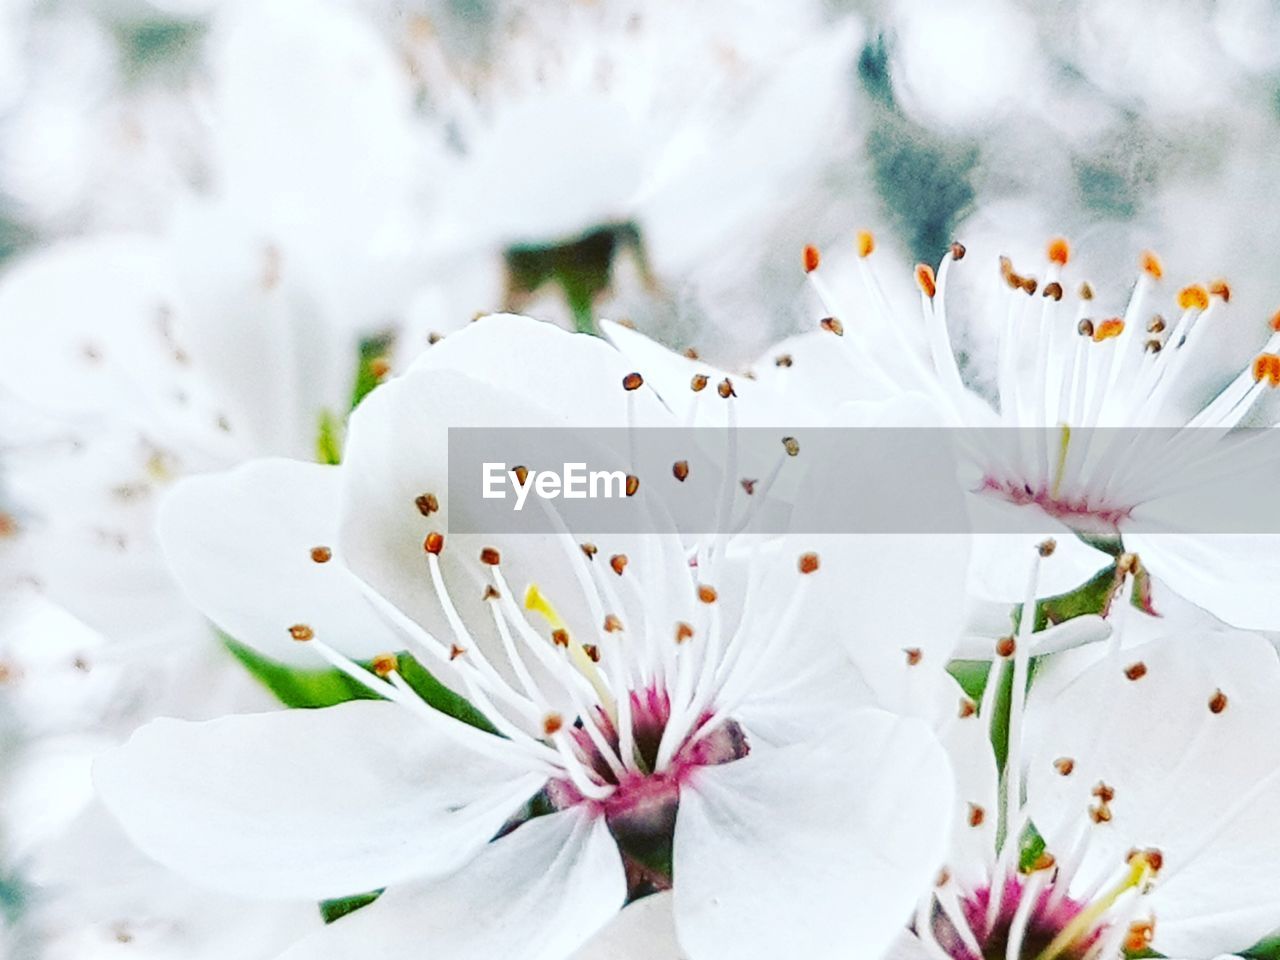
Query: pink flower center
<point>1049,916</point>
<point>1079,514</point>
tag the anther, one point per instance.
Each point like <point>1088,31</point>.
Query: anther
<point>808,562</point>
<point>925,280</point>
<point>1100,813</point>
<point>812,258</point>
<point>632,381</point>
<point>1059,251</point>
<point>1266,366</point>
<point>379,367</point>
<point>1156,324</point>
<point>1052,291</point>
<point>683,632</point>
<point>1218,702</point>
<point>1275,321</point>
<point>427,504</point>
<point>1046,547</point>
<point>748,485</point>
<point>943,878</point>
<point>707,594</point>
<point>1108,329</point>
<point>1152,266</point>
<point>490,556</point>
<point>1135,671</point>
<point>301,632</point>
<point>552,723</point>
<point>455,651</point>
<point>1064,766</point>
<point>434,338</point>
<point>385,664</point>
<point>691,353</point>
<point>434,543</point>
<point>1103,791</point>
<point>832,325</point>
<point>1194,297</point>
<point>957,250</point>
<point>1006,646</point>
<point>866,243</point>
<point>1141,934</point>
<point>698,383</point>
<point>680,470</point>
<point>589,549</point>
<point>1220,289</point>
<point>321,554</point>
<point>1085,327</point>
<point>560,637</point>
<point>1029,286</point>
<point>522,474</point>
<point>967,708</point>
<point>791,445</point>
<point>619,563</point>
<point>725,389</point>
<point>914,656</point>
<point>783,360</point>
<point>1153,346</point>
<point>491,592</point>
<point>1046,861</point>
<point>976,815</point>
<point>592,652</point>
<point>611,623</point>
<point>1086,290</point>
<point>633,484</point>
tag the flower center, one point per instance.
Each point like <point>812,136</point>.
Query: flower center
<point>1048,915</point>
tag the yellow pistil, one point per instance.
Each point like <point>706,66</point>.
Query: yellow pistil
<point>535,600</point>
<point>1064,442</point>
<point>1141,870</point>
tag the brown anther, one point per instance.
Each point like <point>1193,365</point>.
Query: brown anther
<point>551,724</point>
<point>611,623</point>
<point>698,383</point>
<point>943,878</point>
<point>1029,286</point>
<point>455,651</point>
<point>748,485</point>
<point>1006,646</point>
<point>426,503</point>
<point>1275,321</point>
<point>301,632</point>
<point>914,656</point>
<point>433,338</point>
<point>385,664</point>
<point>589,549</point>
<point>1135,671</point>
<point>808,562</point>
<point>1141,934</point>
<point>1156,324</point>
<point>522,474</point>
<point>1194,297</point>
<point>1108,330</point>
<point>1052,291</point>
<point>1064,766</point>
<point>707,594</point>
<point>976,815</point>
<point>1266,366</point>
<point>1009,274</point>
<point>967,708</point>
<point>1103,791</point>
<point>1086,290</point>
<point>725,389</point>
<point>925,280</point>
<point>1153,346</point>
<point>1085,327</point>
<point>866,243</point>
<point>832,325</point>
<point>1220,289</point>
<point>434,543</point>
<point>321,554</point>
<point>1059,251</point>
<point>683,632</point>
<point>491,592</point>
<point>560,637</point>
<point>692,354</point>
<point>791,445</point>
<point>619,563</point>
<point>812,258</point>
<point>633,484</point>
<point>957,250</point>
<point>490,556</point>
<point>783,360</point>
<point>632,381</point>
<point>1101,813</point>
<point>1218,702</point>
<point>1046,547</point>
<point>592,652</point>
<point>1046,861</point>
<point>379,367</point>
<point>680,470</point>
<point>1152,266</point>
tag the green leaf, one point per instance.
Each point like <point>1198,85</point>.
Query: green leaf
<point>329,439</point>
<point>435,693</point>
<point>333,910</point>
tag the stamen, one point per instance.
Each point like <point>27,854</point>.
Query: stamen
<point>832,325</point>
<point>1194,297</point>
<point>618,562</point>
<point>632,381</point>
<point>808,562</point>
<point>680,470</point>
<point>1266,366</point>
<point>321,554</point>
<point>301,632</point>
<point>434,543</point>
<point>1059,251</point>
<point>1218,702</point>
<point>812,258</point>
<point>866,243</point>
<point>926,280</point>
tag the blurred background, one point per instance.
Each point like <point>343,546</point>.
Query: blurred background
<point>220,222</point>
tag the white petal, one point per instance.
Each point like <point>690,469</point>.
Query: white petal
<point>308,803</point>
<point>537,893</point>
<point>240,544</point>
<point>644,930</point>
<point>1198,785</point>
<point>805,851</point>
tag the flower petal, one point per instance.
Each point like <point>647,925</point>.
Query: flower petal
<point>537,893</point>
<point>241,545</point>
<point>308,803</point>
<point>644,930</point>
<point>803,851</point>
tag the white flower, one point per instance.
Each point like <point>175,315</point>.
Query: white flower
<point>1069,374</point>
<point>659,723</point>
<point>1139,816</point>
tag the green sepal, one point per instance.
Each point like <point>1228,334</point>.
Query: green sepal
<point>328,439</point>
<point>332,910</point>
<point>373,350</point>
